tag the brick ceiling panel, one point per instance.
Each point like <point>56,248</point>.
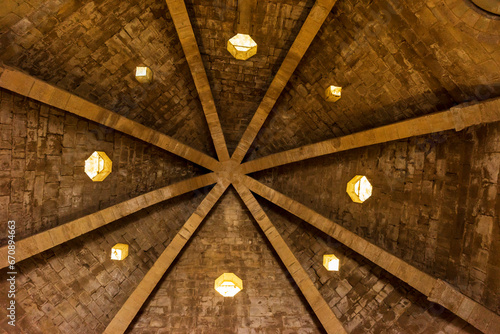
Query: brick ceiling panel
<point>395,60</point>
<point>92,48</point>
<point>365,298</point>
<point>228,241</point>
<point>44,149</point>
<point>433,204</point>
<point>77,288</point>
<point>239,86</point>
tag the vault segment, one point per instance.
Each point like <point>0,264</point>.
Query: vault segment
<point>184,29</point>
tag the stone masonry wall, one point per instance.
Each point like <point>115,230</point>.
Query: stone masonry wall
<point>435,202</point>
<point>76,288</point>
<point>42,157</point>
<point>365,298</point>
<point>185,301</point>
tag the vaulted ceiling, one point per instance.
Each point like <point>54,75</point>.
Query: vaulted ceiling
<point>224,165</point>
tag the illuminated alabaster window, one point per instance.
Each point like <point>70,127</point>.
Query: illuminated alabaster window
<point>228,284</point>
<point>359,189</point>
<point>333,93</point>
<point>242,46</point>
<point>331,262</point>
<point>143,74</point>
<point>119,252</point>
<point>98,166</point>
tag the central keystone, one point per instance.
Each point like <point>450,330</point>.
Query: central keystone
<point>229,171</point>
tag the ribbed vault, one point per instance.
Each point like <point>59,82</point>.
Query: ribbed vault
<point>420,256</point>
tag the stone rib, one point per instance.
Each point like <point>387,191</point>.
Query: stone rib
<point>457,118</point>
<point>128,311</point>
<point>324,313</point>
<point>309,29</point>
<point>21,83</point>
<point>178,11</point>
<point>43,241</point>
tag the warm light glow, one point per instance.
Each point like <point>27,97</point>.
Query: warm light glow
<point>116,254</point>
<point>228,284</point>
<point>242,46</point>
<point>333,93</point>
<point>143,74</point>
<point>363,189</point>
<point>98,166</point>
<point>119,252</point>
<point>331,262</point>
<point>359,189</point>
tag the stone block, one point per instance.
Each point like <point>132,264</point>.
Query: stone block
<point>65,197</point>
<point>69,138</point>
<point>56,124</point>
<point>17,190</point>
<point>50,191</point>
<point>5,186</point>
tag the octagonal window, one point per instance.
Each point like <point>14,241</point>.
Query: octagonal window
<point>242,46</point>
<point>359,189</point>
<point>228,284</point>
<point>331,262</point>
<point>333,93</point>
<point>119,252</point>
<point>98,166</point>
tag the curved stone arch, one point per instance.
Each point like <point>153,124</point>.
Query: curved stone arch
<point>487,7</point>
<point>471,19</point>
